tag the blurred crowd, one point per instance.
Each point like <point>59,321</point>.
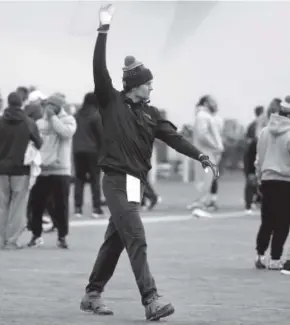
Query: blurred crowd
<point>64,144</point>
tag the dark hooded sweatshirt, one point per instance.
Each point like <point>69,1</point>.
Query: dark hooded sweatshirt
<point>129,129</point>
<point>16,130</point>
<point>88,136</point>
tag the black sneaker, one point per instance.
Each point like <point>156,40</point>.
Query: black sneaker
<point>157,309</point>
<point>61,243</point>
<point>78,212</point>
<point>35,242</point>
<point>93,302</point>
<point>97,213</point>
<point>286,268</point>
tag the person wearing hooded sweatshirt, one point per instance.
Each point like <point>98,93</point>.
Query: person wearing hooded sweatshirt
<point>273,173</point>
<point>207,136</point>
<point>130,126</point>
<point>87,144</point>
<point>16,131</point>
<point>57,129</point>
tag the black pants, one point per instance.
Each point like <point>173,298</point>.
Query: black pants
<point>214,187</point>
<point>49,207</point>
<point>86,165</point>
<point>125,230</point>
<point>57,187</point>
<point>275,215</point>
<point>250,191</point>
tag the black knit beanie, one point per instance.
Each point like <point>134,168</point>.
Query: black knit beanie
<point>14,99</point>
<point>135,73</point>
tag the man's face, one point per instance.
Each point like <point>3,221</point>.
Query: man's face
<point>143,92</point>
<point>23,94</point>
<point>212,104</point>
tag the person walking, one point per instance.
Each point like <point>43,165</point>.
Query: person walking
<point>87,142</point>
<point>130,125</point>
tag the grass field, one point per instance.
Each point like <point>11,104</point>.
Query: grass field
<point>204,266</point>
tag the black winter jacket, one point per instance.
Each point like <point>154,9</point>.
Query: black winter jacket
<point>16,130</point>
<point>129,129</point>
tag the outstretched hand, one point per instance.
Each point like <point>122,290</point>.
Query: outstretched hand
<point>106,14</point>
<point>206,163</point>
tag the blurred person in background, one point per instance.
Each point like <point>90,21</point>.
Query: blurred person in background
<point>207,137</point>
<point>212,203</point>
<point>150,197</point>
<point>16,131</point>
<point>251,184</point>
<point>254,128</point>
<point>251,195</point>
<point>87,143</point>
<point>273,173</point>
<point>274,106</point>
<point>23,92</point>
<point>1,105</point>
<point>57,129</point>
<point>35,110</point>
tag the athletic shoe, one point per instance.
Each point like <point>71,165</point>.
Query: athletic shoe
<point>201,213</point>
<point>78,213</point>
<point>157,309</point>
<point>286,268</point>
<point>61,243</point>
<point>260,262</point>
<point>12,246</point>
<point>35,242</point>
<point>275,265</point>
<point>97,213</point>
<point>93,302</point>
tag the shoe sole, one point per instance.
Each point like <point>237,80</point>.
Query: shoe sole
<point>285,272</point>
<point>36,245</point>
<point>163,312</point>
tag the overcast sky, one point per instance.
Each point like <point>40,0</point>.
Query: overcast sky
<point>238,52</point>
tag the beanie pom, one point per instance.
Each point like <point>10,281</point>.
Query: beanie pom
<point>131,63</point>
<point>129,60</point>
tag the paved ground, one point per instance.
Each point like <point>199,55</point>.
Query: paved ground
<point>204,266</point>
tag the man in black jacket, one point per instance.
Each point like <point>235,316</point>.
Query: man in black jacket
<point>86,149</point>
<point>16,130</point>
<point>130,126</point>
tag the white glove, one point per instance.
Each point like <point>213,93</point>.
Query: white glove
<point>106,14</point>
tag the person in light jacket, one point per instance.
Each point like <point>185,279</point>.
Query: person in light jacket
<point>57,129</point>
<point>207,136</point>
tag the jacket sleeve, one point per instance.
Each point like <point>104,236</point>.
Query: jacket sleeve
<point>65,127</point>
<point>167,132</point>
<point>260,155</point>
<point>103,83</point>
<point>34,134</point>
<point>97,127</point>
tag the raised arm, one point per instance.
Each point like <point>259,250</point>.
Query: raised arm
<point>103,83</point>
